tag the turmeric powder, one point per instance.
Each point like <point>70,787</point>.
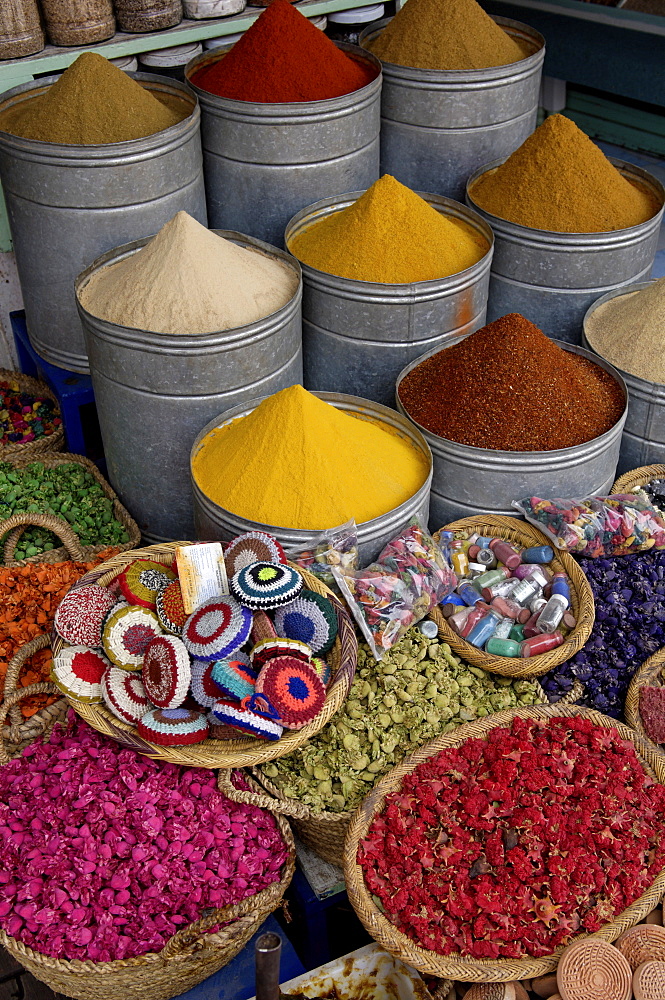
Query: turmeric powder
<point>560,181</point>
<point>298,462</point>
<point>389,235</point>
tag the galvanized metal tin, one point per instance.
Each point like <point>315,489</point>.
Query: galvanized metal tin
<point>216,524</point>
<point>471,480</point>
<point>438,126</point>
<point>553,278</point>
<point>68,204</point>
<point>264,162</point>
<point>643,439</point>
<point>358,335</point>
<point>155,391</point>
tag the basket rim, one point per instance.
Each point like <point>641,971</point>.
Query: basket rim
<point>635,478</point>
<point>220,753</point>
<point>648,673</point>
<point>457,966</point>
<point>582,603</point>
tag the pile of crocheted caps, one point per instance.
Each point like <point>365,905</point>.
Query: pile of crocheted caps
<point>251,662</point>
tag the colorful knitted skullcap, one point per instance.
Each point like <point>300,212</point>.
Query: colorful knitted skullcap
<point>78,672</point>
<point>166,671</point>
<point>244,720</point>
<point>124,694</point>
<point>204,690</point>
<point>310,618</point>
<point>127,633</point>
<point>269,648</point>
<point>217,628</point>
<point>170,608</point>
<point>172,727</point>
<point>322,668</point>
<point>81,613</point>
<point>266,585</point>
<point>262,627</point>
<point>234,677</point>
<point>293,688</point>
<point>142,579</point>
<point>253,546</point>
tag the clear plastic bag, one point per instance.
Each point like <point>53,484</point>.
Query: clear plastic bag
<point>600,526</point>
<point>409,578</point>
<point>333,547</point>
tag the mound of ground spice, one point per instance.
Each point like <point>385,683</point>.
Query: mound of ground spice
<point>282,58</point>
<point>560,181</point>
<point>508,387</point>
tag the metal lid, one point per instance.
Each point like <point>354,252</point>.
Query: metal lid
<point>178,55</point>
<point>359,15</point>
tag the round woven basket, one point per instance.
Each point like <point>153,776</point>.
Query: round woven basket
<point>581,598</point>
<point>188,958</point>
<point>223,753</point>
<point>633,480</point>
<point>17,523</point>
<point>458,966</point>
<point>649,674</point>
<point>32,450</point>
<point>22,731</point>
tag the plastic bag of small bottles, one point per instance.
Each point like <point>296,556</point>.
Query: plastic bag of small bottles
<point>333,547</point>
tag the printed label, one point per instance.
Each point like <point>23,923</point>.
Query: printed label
<point>202,573</point>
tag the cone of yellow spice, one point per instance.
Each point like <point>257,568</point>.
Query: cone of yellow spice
<point>389,235</point>
<point>298,462</point>
<point>558,180</point>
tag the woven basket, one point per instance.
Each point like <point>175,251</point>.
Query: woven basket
<point>650,675</point>
<point>581,599</point>
<point>32,450</point>
<point>633,480</point>
<point>22,731</point>
<point>18,521</point>
<point>223,753</point>
<point>188,958</point>
<point>457,966</point>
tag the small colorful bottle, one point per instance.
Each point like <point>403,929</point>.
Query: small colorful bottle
<point>516,633</point>
<point>561,586</point>
<point>492,576</point>
<point>533,571</point>
<point>450,604</point>
<point>473,551</point>
<point>505,553</point>
<point>502,647</point>
<point>458,619</point>
<point>486,558</point>
<point>535,606</point>
<point>525,590</point>
<point>503,629</point>
<point>483,630</point>
<point>480,611</point>
<point>551,615</point>
<point>460,562</point>
<point>541,644</point>
<point>538,554</point>
<point>505,607</point>
<point>483,541</point>
<point>502,589</point>
<point>468,593</point>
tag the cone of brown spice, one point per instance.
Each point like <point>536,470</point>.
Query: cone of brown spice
<point>508,387</point>
<point>643,943</point>
<point>649,981</point>
<point>593,969</point>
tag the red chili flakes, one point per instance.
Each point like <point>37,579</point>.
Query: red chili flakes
<point>508,387</point>
<point>511,845</point>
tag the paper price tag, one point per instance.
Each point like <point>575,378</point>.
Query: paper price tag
<point>202,573</point>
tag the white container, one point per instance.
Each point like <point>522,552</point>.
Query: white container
<point>358,15</point>
<point>369,971</point>
<point>199,9</point>
<point>172,61</point>
<point>319,22</point>
<point>129,64</point>
<point>216,43</point>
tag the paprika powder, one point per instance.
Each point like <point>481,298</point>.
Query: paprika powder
<point>283,58</point>
<point>508,387</point>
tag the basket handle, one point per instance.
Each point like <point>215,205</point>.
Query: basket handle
<point>44,687</point>
<point>17,523</point>
<point>20,657</point>
<point>296,810</point>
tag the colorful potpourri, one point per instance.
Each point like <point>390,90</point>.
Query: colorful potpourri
<point>134,849</point>
<point>652,712</point>
<point>601,526</point>
<point>23,416</point>
<point>508,846</point>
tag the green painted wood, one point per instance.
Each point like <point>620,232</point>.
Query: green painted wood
<point>617,132</point>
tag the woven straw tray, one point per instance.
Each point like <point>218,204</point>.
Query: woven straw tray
<point>32,451</point>
<point>456,966</point>
<point>523,534</point>
<point>223,753</point>
<point>633,480</point>
<point>649,675</point>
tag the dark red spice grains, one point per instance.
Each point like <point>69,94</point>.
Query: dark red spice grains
<point>511,845</point>
<point>282,58</point>
<point>652,712</point>
<point>508,387</point>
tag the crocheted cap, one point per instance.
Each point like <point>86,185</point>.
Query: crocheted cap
<point>142,579</point>
<point>310,618</point>
<point>262,627</point>
<point>217,628</point>
<point>77,671</point>
<point>166,671</point>
<point>204,690</point>
<point>266,585</point>
<point>244,720</point>
<point>322,668</point>
<point>234,677</point>
<point>269,648</point>
<point>80,615</point>
<point>128,631</point>
<point>293,688</point>
<point>171,727</point>
<point>251,547</point>
<point>170,608</point>
<point>124,694</point>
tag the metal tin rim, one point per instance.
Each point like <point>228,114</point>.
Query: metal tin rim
<point>103,151</point>
<point>393,293</point>
<point>491,456</point>
<point>295,109</point>
<point>465,77</point>
<point>528,234</point>
<point>348,403</point>
<point>171,343</point>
